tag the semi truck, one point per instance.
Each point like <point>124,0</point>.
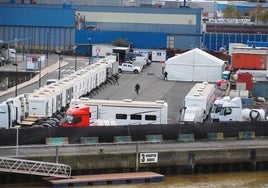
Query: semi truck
<point>233,111</point>
<point>122,112</point>
<point>197,103</point>
<point>80,115</point>
<point>216,108</point>
<point>8,54</point>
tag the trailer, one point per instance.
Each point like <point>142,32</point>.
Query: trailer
<point>50,101</point>
<point>125,112</point>
<point>154,55</point>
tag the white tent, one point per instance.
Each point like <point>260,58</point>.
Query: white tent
<point>194,65</point>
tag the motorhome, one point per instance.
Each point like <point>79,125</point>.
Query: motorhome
<point>198,102</point>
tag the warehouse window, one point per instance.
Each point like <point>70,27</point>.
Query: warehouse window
<point>135,117</point>
<point>121,116</point>
<point>150,117</point>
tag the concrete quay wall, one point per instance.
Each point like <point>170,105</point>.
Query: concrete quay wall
<point>190,158</point>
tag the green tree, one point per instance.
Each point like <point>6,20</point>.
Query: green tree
<point>231,12</point>
<point>259,14</point>
<point>256,1</point>
<point>121,42</point>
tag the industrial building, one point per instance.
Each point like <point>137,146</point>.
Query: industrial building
<point>62,25</point>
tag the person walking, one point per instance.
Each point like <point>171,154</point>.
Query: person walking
<point>165,75</point>
<point>116,79</point>
<point>137,88</point>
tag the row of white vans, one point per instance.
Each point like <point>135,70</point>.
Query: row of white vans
<point>50,102</point>
<point>50,99</point>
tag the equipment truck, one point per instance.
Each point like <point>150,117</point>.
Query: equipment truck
<point>233,111</point>
<point>216,108</point>
<point>197,103</point>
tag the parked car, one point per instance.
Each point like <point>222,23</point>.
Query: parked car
<point>127,67</point>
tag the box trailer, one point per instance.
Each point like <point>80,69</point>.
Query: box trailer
<point>125,112</point>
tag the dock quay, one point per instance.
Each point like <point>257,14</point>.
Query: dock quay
<point>166,149</point>
<point>167,157</point>
<point>105,179</point>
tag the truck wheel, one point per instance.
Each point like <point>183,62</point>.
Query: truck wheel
<point>136,71</point>
<point>119,70</point>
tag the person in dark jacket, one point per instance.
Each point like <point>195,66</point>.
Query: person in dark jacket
<point>116,79</point>
<point>137,88</point>
<point>165,75</point>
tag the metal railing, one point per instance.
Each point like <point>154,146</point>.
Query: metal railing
<point>34,167</point>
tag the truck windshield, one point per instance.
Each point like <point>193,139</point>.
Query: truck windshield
<point>216,108</point>
<point>68,119</point>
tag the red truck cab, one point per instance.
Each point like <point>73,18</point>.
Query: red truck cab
<point>78,116</point>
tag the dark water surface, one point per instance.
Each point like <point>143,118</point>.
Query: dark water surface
<point>217,180</point>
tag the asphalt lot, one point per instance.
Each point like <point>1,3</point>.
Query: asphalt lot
<point>153,87</point>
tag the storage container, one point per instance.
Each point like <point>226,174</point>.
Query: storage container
<point>249,58</point>
<point>246,78</point>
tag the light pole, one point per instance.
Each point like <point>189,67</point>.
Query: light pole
<point>59,52</point>
<point>16,81</point>
<point>75,61</point>
<point>89,43</point>
<point>40,69</point>
<point>17,127</point>
<point>48,43</point>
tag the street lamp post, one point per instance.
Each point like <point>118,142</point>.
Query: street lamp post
<point>16,81</point>
<point>89,43</point>
<point>59,52</point>
<point>48,43</point>
<point>17,127</point>
<point>40,69</point>
<point>75,61</point>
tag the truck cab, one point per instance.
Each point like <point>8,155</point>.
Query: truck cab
<point>193,114</point>
<point>78,116</point>
<point>231,111</point>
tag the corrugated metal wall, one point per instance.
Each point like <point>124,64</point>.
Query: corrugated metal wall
<point>214,41</point>
<point>39,38</point>
<point>38,28</point>
<point>137,39</point>
<point>260,89</point>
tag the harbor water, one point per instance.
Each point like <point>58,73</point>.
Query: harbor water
<point>257,179</point>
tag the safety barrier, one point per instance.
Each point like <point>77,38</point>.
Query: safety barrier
<point>57,141</point>
<point>185,138</point>
<point>215,136</point>
<point>154,138</point>
<point>122,139</point>
<point>89,140</point>
<point>246,135</point>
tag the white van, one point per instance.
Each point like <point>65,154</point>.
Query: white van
<point>50,81</point>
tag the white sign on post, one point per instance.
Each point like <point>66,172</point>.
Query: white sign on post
<point>148,157</point>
